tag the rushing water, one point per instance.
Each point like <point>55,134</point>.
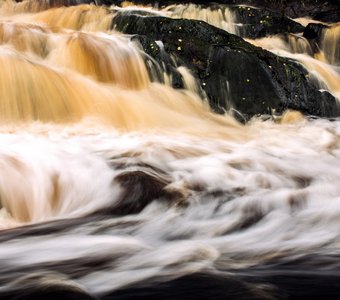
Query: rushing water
<point>118,187</point>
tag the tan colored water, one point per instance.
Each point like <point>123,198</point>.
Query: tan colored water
<point>110,59</point>
<point>219,17</point>
<point>330,44</point>
<point>82,17</point>
<point>53,72</point>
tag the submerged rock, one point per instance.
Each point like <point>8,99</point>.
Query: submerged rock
<point>45,285</point>
<point>232,73</point>
<point>139,189</point>
<point>199,285</point>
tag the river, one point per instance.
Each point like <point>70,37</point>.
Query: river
<point>114,186</point>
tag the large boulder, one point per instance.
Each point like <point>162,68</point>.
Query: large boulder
<point>232,73</point>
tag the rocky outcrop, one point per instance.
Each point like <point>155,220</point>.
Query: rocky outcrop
<point>231,72</point>
<point>314,31</point>
<point>252,22</point>
<point>326,11</point>
<point>258,23</point>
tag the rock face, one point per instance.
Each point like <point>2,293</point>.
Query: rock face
<point>314,31</point>
<point>256,22</point>
<point>259,23</point>
<point>231,72</point>
<point>326,11</point>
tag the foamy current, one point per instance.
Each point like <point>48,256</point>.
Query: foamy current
<point>242,204</point>
<point>111,182</point>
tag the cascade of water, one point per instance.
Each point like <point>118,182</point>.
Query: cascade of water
<point>26,6</point>
<point>299,44</point>
<point>325,75</point>
<point>106,58</point>
<point>82,17</point>
<point>221,17</point>
<point>26,38</point>
<point>330,44</point>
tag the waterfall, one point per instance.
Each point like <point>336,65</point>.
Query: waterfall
<point>331,40</point>
<point>221,17</point>
<point>120,179</point>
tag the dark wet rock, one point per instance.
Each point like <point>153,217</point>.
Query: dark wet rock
<point>314,31</point>
<point>139,190</point>
<point>326,11</point>
<point>42,286</point>
<point>296,278</point>
<point>231,72</point>
<point>257,23</point>
<point>330,16</point>
<point>203,286</point>
<point>159,61</point>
